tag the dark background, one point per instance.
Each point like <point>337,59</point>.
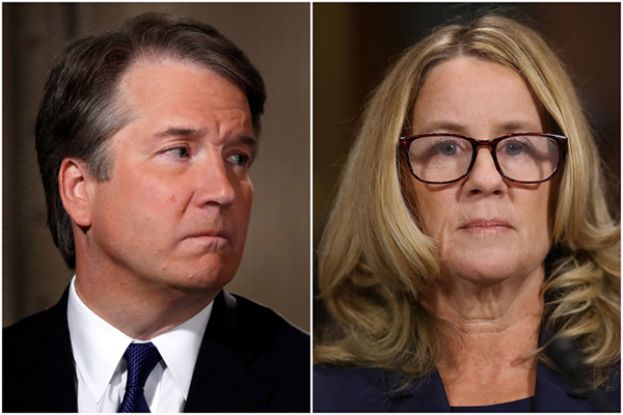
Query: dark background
<point>275,267</point>
<point>354,44</point>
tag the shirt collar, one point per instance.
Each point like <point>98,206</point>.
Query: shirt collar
<point>98,346</point>
<point>179,347</point>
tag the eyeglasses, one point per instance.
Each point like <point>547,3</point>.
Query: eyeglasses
<point>446,158</point>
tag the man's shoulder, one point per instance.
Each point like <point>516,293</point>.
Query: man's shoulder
<point>259,331</point>
<point>30,332</point>
<point>261,360</point>
<point>35,335</point>
<point>256,318</point>
<point>38,364</point>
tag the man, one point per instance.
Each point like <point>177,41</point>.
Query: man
<point>145,138</point>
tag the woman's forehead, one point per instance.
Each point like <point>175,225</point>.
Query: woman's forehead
<point>464,91</point>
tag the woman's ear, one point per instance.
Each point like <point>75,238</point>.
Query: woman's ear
<point>74,182</point>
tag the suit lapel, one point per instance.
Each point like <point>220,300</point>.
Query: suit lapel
<point>223,380</point>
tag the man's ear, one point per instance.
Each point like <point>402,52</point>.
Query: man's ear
<point>75,185</point>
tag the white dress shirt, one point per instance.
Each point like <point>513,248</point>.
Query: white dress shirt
<point>101,371</point>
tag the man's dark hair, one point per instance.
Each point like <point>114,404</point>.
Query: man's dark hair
<point>80,108</point>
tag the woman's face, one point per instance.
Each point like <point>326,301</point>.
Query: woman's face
<point>487,228</point>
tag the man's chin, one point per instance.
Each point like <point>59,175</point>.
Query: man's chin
<point>202,281</point>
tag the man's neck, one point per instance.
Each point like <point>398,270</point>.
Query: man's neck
<point>139,309</point>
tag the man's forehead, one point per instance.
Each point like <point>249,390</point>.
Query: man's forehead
<point>151,74</point>
<point>179,88</point>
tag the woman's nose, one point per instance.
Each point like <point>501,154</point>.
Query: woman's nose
<point>484,177</point>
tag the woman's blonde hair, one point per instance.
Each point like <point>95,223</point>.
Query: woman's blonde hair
<point>374,260</point>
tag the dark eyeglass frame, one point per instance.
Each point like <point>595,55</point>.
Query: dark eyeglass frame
<point>561,140</point>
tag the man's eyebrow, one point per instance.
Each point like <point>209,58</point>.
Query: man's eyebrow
<point>185,132</point>
<point>177,132</point>
<point>249,140</point>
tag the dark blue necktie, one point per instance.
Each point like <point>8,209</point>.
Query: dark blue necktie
<point>141,359</point>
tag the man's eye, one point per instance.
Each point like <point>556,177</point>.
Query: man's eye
<point>240,159</point>
<point>179,152</point>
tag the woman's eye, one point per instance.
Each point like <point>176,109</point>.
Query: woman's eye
<point>514,148</point>
<point>447,149</point>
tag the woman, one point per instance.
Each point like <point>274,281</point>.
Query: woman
<point>470,233</point>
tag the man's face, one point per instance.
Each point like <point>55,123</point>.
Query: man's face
<point>176,208</point>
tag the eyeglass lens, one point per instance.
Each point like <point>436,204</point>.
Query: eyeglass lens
<point>529,158</point>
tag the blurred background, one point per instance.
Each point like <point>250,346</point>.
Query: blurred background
<point>275,267</point>
<point>354,44</point>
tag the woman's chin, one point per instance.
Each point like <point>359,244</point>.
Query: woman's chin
<point>482,272</point>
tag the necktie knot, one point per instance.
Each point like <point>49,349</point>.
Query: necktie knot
<point>141,358</point>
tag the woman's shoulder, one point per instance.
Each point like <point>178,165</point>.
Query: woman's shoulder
<point>329,376</point>
<point>613,388</point>
<point>367,389</point>
<point>349,389</point>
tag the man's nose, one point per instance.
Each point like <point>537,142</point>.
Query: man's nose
<point>484,177</point>
<point>215,181</point>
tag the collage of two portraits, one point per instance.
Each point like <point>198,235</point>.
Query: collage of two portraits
<point>311,207</point>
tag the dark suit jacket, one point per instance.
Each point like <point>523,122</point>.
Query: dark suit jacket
<point>250,360</point>
<point>357,389</point>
